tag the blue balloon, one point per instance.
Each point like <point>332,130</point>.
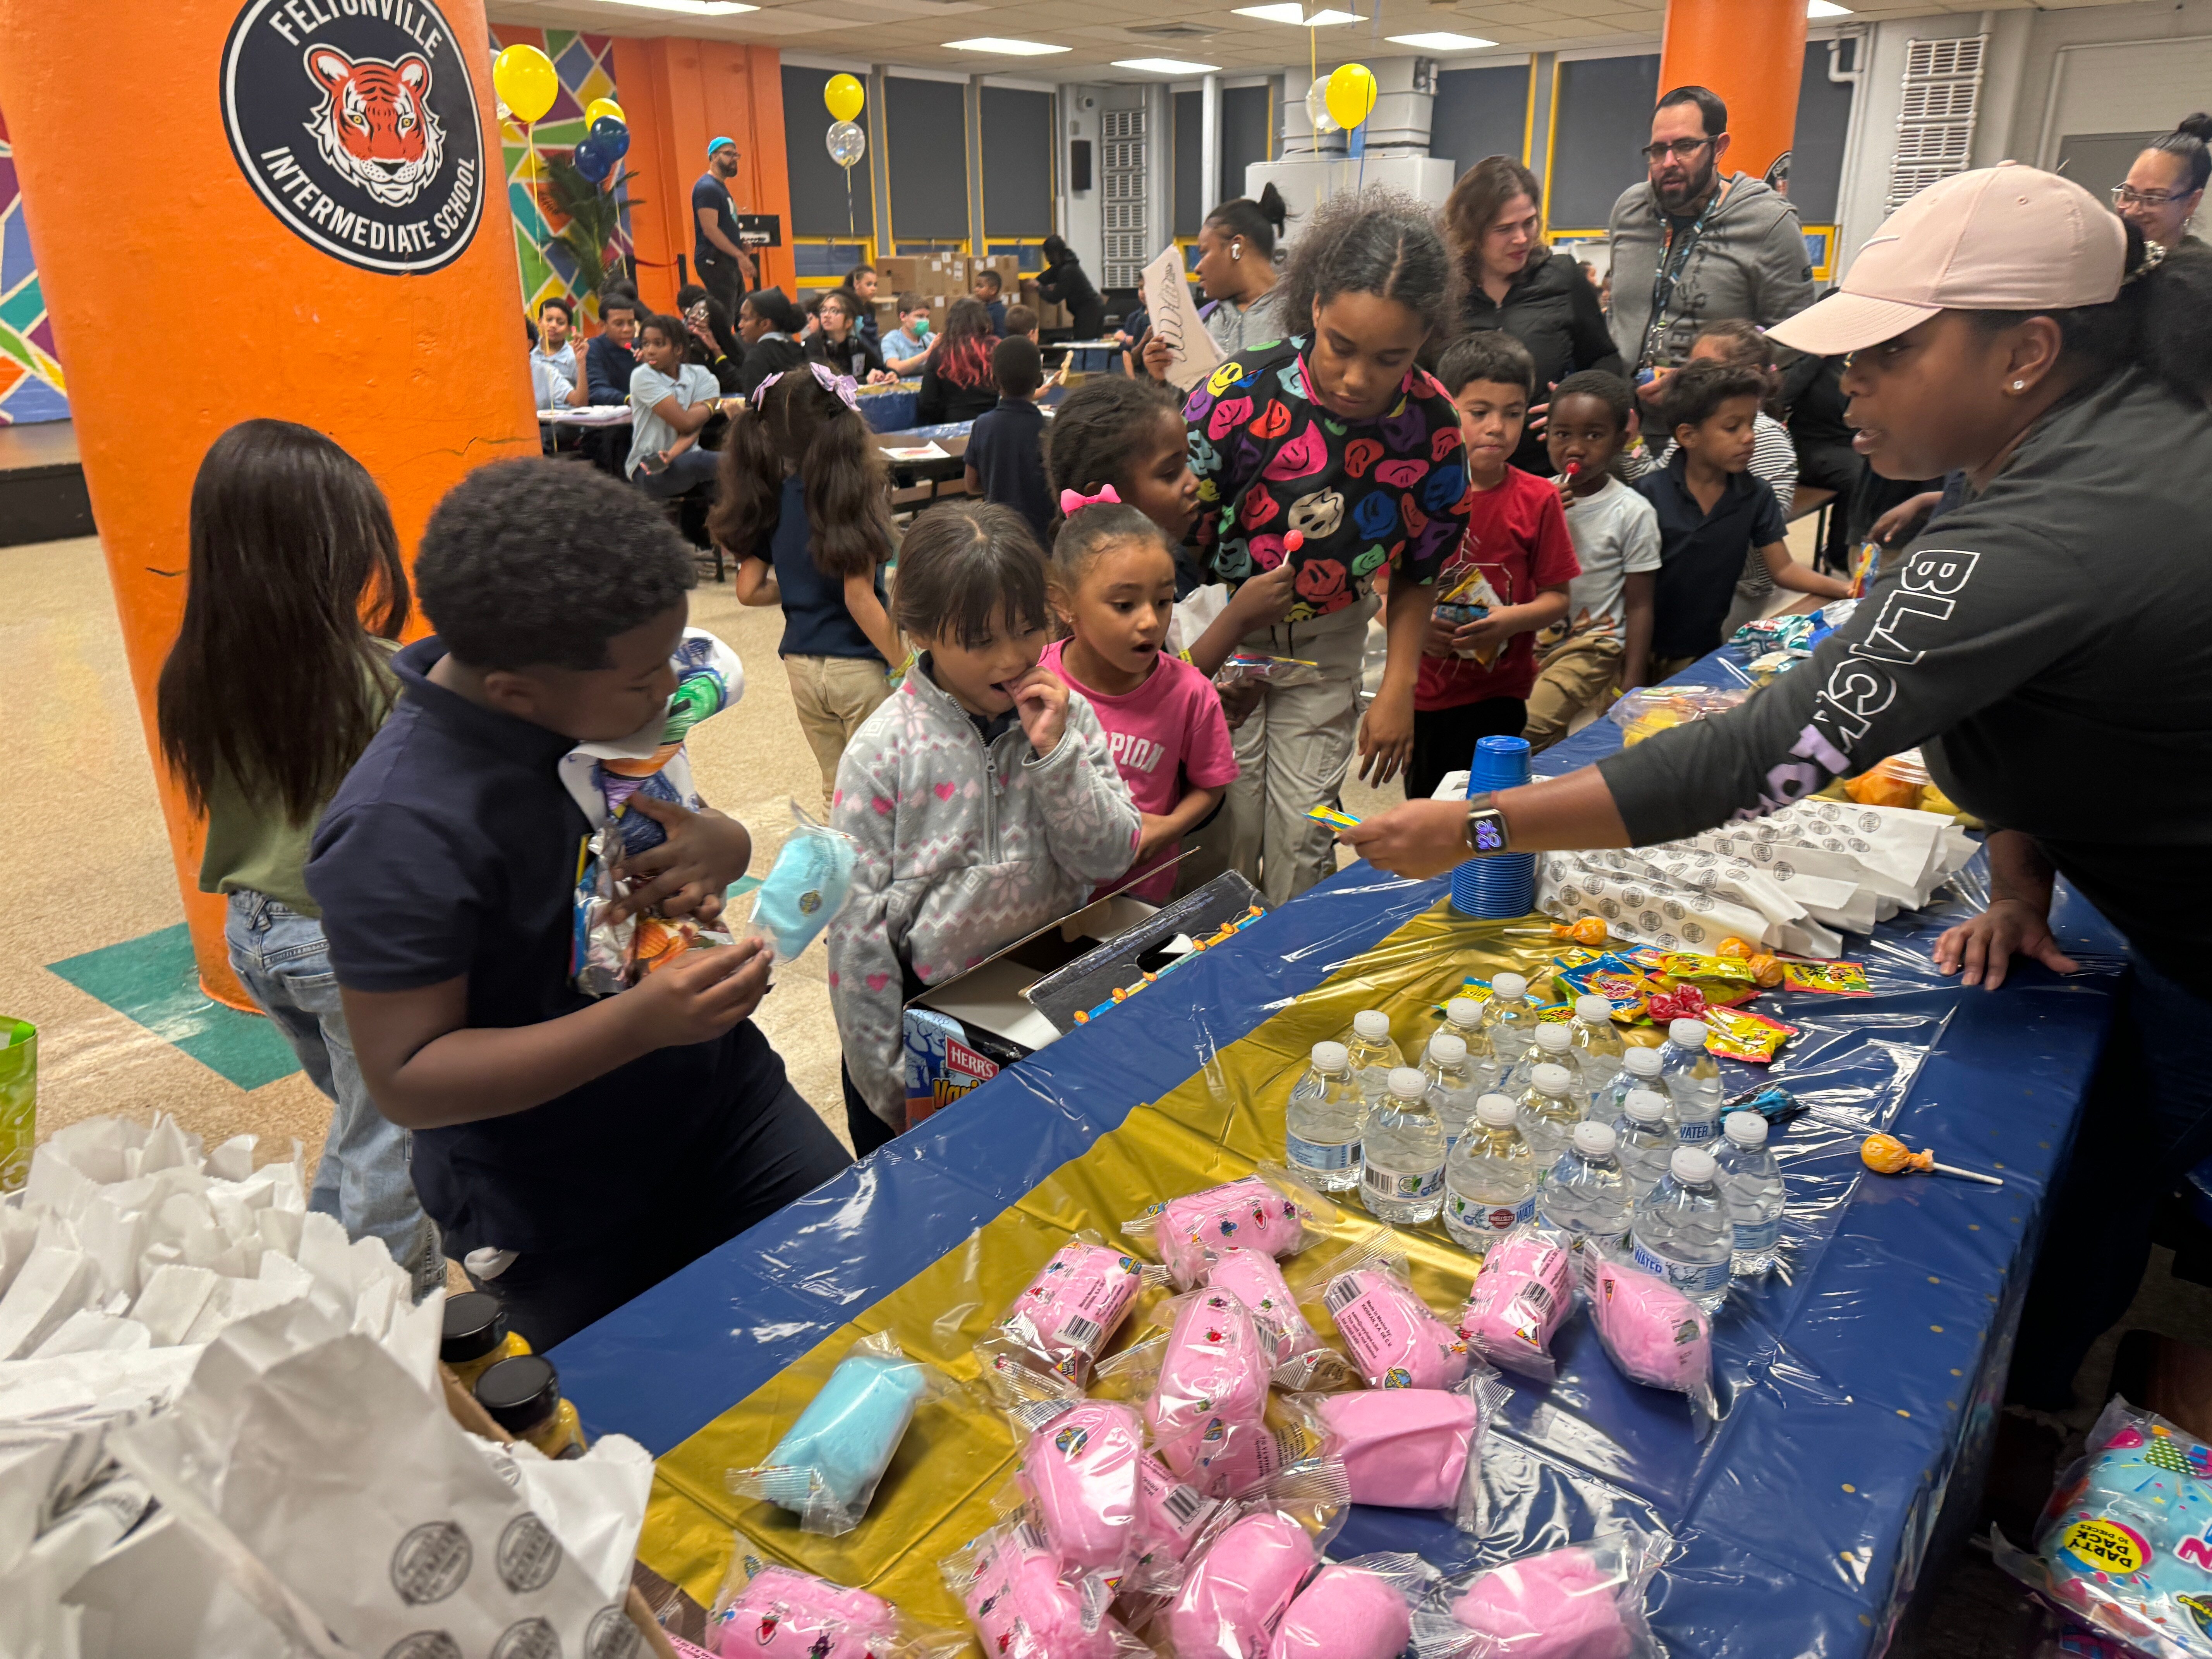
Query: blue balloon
<point>592,161</point>
<point>612,137</point>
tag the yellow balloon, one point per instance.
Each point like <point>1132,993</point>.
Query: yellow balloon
<point>604,109</point>
<point>1351,94</point>
<point>523,77</point>
<point>843,97</point>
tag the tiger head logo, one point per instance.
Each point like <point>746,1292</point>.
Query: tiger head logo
<point>374,126</point>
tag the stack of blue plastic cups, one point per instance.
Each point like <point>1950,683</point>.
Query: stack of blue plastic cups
<point>1494,889</point>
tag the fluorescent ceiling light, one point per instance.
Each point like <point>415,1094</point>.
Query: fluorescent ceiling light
<point>1826,8</point>
<point>691,8</point>
<point>1290,12</point>
<point>1445,41</point>
<point>1165,66</point>
<point>1004,48</point>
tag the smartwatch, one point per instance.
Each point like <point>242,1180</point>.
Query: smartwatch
<point>1486,835</point>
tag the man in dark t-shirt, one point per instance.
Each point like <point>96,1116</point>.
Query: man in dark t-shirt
<point>724,266</point>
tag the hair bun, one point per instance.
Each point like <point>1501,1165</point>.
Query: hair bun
<point>2197,126</point>
<point>1277,212</point>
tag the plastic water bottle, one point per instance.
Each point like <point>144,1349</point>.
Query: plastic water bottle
<point>1751,1183</point>
<point>1643,1140</point>
<point>1452,1086</point>
<point>1585,1199</point>
<point>1596,1041</point>
<point>1402,1177</point>
<point>1373,1055</point>
<point>1490,1179</point>
<point>1325,1112</point>
<point>1463,1018</point>
<point>1508,1017</point>
<point>1681,1230</point>
<point>1693,1080</point>
<point>1549,1112</point>
<point>1640,1069</point>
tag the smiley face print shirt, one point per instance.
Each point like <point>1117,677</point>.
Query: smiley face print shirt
<point>1270,460</point>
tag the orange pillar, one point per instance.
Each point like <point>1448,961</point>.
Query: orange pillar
<point>1752,52</point>
<point>279,258</point>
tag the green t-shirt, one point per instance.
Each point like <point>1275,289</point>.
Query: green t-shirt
<point>253,845</point>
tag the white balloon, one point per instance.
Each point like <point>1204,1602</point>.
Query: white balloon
<point>1317,108</point>
<point>847,144</point>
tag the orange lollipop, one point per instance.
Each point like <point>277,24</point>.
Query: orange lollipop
<point>1587,930</point>
<point>1887,1155</point>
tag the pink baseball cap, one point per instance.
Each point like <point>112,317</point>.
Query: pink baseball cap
<point>2006,238</point>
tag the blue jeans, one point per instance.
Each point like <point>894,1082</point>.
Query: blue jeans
<point>362,1179</point>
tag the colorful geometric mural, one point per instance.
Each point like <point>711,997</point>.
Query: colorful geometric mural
<point>30,384</point>
<point>584,64</point>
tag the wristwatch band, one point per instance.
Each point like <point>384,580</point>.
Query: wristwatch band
<point>1485,831</point>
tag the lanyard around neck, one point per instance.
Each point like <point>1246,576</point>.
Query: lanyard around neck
<point>1664,282</point>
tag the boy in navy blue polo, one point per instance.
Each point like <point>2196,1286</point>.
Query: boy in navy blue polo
<point>577,1150</point>
<point>1005,447</point>
<point>1712,511</point>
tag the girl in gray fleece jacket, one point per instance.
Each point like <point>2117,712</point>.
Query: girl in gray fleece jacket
<point>982,793</point>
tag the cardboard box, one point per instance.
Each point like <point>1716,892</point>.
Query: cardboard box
<point>1051,313</point>
<point>901,274</point>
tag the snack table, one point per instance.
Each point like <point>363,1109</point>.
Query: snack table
<point>1858,1383</point>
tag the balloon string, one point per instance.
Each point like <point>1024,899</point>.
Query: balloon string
<point>852,231</point>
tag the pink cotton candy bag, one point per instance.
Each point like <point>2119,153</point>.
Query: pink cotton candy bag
<point>1213,1367</point>
<point>1171,1512</point>
<point>1359,1609</point>
<point>1293,1350</point>
<point>1079,1473</point>
<point>1585,1601</point>
<point>1525,1290</point>
<point>1405,1448</point>
<point>1395,1340</point>
<point>1248,1214</point>
<point>1065,1317</point>
<point>1232,1598</point>
<point>1023,1605</point>
<point>1655,1334</point>
<point>765,1609</point>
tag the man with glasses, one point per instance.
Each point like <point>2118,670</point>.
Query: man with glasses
<point>1693,244</point>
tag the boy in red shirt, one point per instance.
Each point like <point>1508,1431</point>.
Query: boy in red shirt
<point>1514,563</point>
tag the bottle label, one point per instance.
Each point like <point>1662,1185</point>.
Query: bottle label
<point>1695,1133</point>
<point>1469,1216</point>
<point>1692,1279</point>
<point>1757,1237</point>
<point>1317,1155</point>
<point>1392,1187</point>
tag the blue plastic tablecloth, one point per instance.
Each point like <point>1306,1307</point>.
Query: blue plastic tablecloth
<point>1856,1383</point>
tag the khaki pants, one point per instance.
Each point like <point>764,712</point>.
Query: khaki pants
<point>1296,751</point>
<point>1578,673</point>
<point>833,695</point>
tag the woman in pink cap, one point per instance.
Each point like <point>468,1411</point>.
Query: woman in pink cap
<point>2060,617</point>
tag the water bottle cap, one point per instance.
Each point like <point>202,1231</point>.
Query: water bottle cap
<point>1687,1033</point>
<point>1447,1049</point>
<point>1594,1140</point>
<point>1690,1166</point>
<point>1331,1056</point>
<point>1372,1023</point>
<point>1594,1011</point>
<point>1511,986</point>
<point>1644,1062</point>
<point>1496,1112</point>
<point>1554,1039</point>
<point>1463,1010</point>
<point>1644,1106</point>
<point>1745,1129</point>
<point>1552,1079</point>
<point>1407,1084</point>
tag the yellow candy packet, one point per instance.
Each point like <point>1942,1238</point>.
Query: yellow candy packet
<point>1740,1034</point>
<point>1334,817</point>
<point>1686,964</point>
<point>1842,979</point>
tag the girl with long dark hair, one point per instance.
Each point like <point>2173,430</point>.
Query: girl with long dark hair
<point>272,689</point>
<point>956,382</point>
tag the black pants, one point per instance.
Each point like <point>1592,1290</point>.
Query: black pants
<point>720,275</point>
<point>1444,739</point>
<point>784,1152</point>
<point>1837,467</point>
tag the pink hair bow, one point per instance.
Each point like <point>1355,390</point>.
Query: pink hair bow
<point>1073,501</point>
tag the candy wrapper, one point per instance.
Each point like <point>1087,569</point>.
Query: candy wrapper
<point>1771,1102</point>
<point>1297,1355</point>
<point>1079,1476</point>
<point>1655,1335</point>
<point>1065,1317</point>
<point>1171,1514</point>
<point>1362,1609</point>
<point>783,1613</point>
<point>1680,1002</point>
<point>1252,1561</point>
<point>1253,1213</point>
<point>1652,709</point>
<point>807,887</point>
<point>1204,1390</point>
<point>1518,1301</point>
<point>826,1467</point>
<point>1024,1605</point>
<point>1584,1601</point>
<point>1394,1339</point>
<point>1842,979</point>
<point>1740,1034</point>
<point>1335,816</point>
<point>1406,1449</point>
<point>1686,964</point>
<point>2121,1545</point>
<point>1269,670</point>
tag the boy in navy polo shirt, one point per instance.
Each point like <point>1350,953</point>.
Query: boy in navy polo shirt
<point>578,1151</point>
<point>1712,511</point>
<point>1005,447</point>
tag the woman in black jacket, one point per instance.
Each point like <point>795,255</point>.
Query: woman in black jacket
<point>1496,231</point>
<point>1062,282</point>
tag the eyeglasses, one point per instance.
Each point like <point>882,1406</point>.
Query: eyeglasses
<point>1682,149</point>
<point>2126,196</point>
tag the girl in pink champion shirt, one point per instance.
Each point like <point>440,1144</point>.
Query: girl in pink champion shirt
<point>1112,581</point>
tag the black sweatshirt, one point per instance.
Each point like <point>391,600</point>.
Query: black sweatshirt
<point>2048,645</point>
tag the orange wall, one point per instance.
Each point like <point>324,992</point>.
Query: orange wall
<point>1752,53</point>
<point>677,94</point>
<point>421,377</point>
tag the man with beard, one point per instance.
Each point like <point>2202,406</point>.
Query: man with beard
<point>725,270</point>
<point>1693,244</point>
